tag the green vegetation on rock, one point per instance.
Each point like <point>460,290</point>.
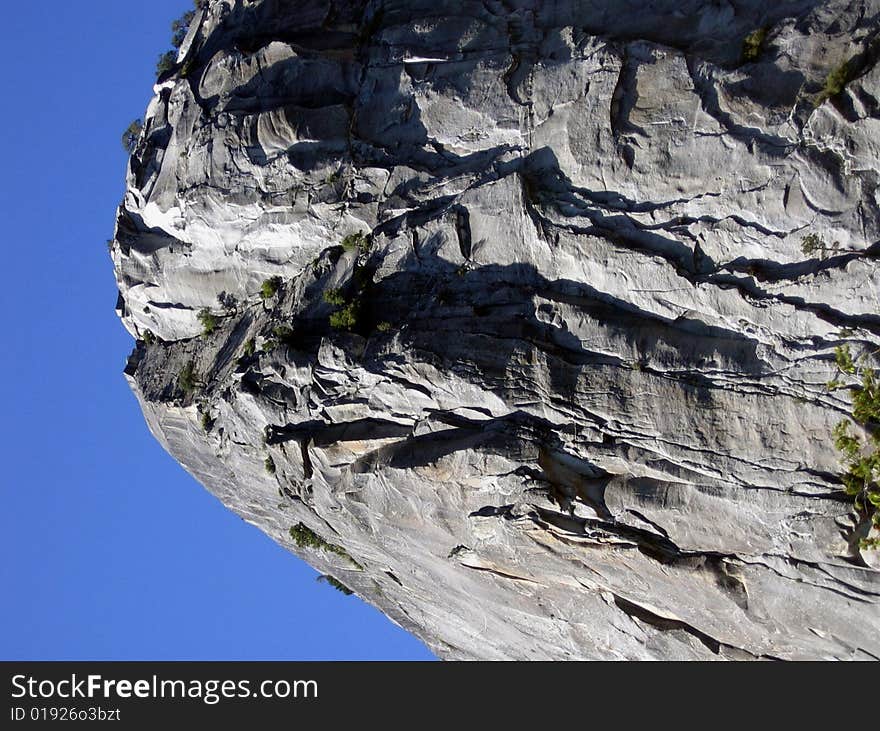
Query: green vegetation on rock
<point>207,422</point>
<point>270,287</point>
<point>130,137</point>
<point>813,244</point>
<point>334,297</point>
<point>336,584</point>
<point>165,63</point>
<point>753,44</point>
<point>284,334</point>
<point>187,379</point>
<point>861,478</point>
<point>836,81</point>
<point>209,321</point>
<point>305,537</point>
<point>358,241</point>
<point>346,318</point>
<point>179,29</point>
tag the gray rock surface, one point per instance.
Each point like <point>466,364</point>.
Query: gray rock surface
<point>581,412</point>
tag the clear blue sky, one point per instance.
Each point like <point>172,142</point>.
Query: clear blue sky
<point>110,550</point>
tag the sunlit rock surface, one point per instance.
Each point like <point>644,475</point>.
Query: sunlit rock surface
<point>575,403</point>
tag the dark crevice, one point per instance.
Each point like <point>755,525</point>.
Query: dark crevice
<point>463,231</point>
<point>664,624</point>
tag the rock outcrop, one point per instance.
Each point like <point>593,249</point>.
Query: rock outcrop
<point>516,316</point>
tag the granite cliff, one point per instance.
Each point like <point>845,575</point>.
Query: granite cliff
<point>516,316</point>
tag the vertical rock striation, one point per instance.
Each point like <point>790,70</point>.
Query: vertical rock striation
<point>521,313</point>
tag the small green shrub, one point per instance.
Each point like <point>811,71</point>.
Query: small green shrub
<point>187,379</point>
<point>862,458</point>
<point>305,537</point>
<point>208,320</point>
<point>148,337</point>
<point>811,243</point>
<point>250,347</point>
<point>334,297</point>
<point>187,67</point>
<point>344,319</point>
<point>357,241</point>
<point>269,464</point>
<point>180,27</point>
<point>336,584</point>
<point>270,287</point>
<point>844,360</point>
<point>207,422</point>
<point>384,326</point>
<point>753,44</point>
<point>131,136</point>
<point>284,333</point>
<point>836,81</point>
<point>166,63</point>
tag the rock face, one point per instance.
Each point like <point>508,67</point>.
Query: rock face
<point>552,292</point>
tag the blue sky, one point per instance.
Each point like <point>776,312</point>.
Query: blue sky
<point>110,550</point>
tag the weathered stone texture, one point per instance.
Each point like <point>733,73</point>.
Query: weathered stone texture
<point>582,411</point>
